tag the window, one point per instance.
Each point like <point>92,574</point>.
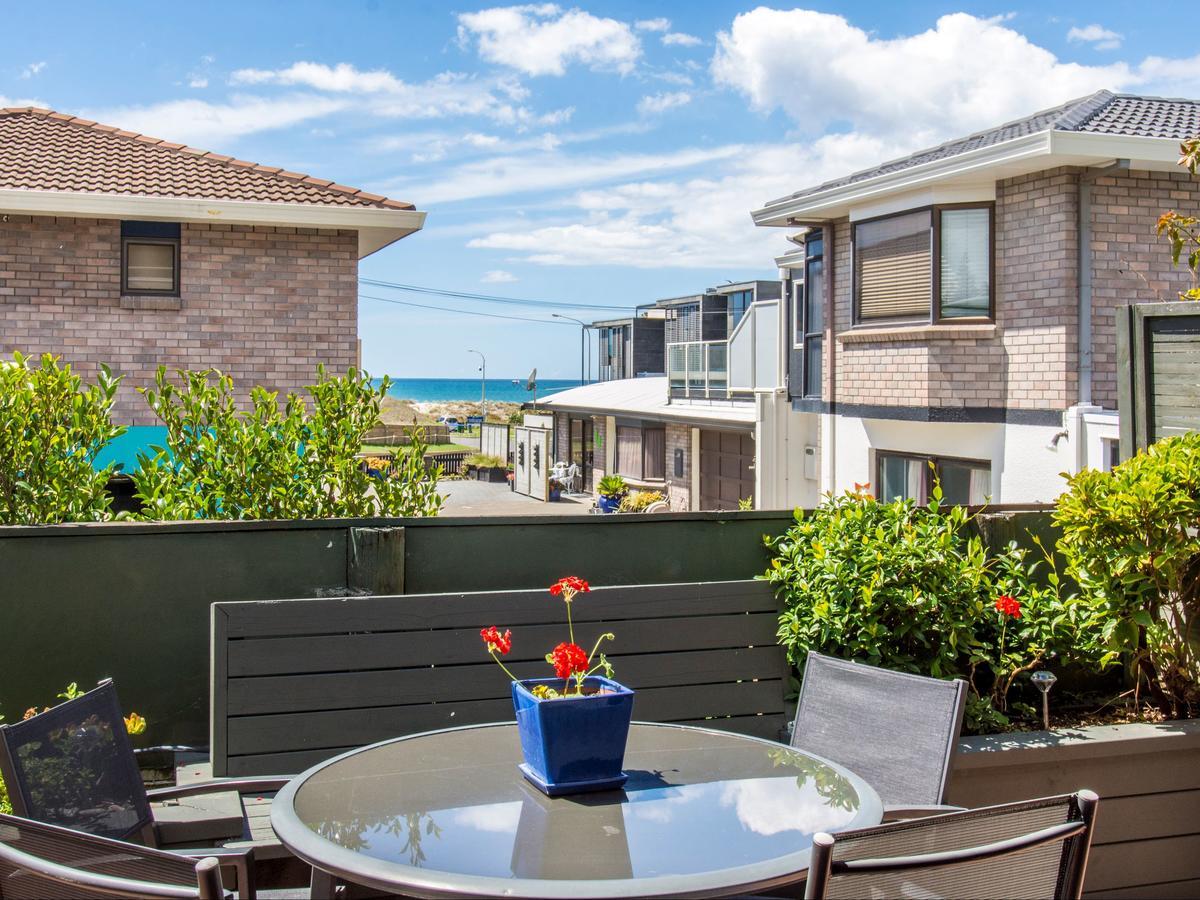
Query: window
<point>150,258</point>
<point>641,452</point>
<point>901,477</point>
<point>813,312</point>
<point>930,264</point>
<point>738,303</point>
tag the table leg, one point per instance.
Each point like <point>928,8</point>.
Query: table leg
<point>321,887</point>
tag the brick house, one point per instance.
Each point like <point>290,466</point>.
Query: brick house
<point>123,249</point>
<point>958,306</point>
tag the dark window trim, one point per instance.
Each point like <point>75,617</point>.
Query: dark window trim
<point>926,484</point>
<point>126,290</point>
<point>823,235</point>
<point>935,316</point>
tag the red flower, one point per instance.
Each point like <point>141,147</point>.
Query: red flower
<point>496,642</point>
<point>572,584</point>
<point>568,659</point>
<point>1008,606</point>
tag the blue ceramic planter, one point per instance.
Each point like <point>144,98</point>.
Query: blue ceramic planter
<point>573,744</point>
<point>608,504</point>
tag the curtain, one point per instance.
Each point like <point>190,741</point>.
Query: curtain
<point>629,451</point>
<point>654,453</point>
<point>892,267</point>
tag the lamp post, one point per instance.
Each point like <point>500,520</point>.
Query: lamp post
<point>583,327</point>
<point>482,383</point>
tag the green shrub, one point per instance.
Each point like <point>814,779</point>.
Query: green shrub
<point>912,588</point>
<point>275,461</point>
<point>485,461</point>
<point>1131,539</point>
<point>53,427</point>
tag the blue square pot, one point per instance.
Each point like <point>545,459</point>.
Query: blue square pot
<point>573,744</point>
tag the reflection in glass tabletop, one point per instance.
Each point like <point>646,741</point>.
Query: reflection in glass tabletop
<point>449,811</point>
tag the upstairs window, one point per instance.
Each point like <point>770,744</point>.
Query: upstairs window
<point>738,304</point>
<point>927,265</point>
<point>150,258</point>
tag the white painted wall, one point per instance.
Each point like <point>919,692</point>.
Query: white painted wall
<point>1025,468</point>
<point>780,438</point>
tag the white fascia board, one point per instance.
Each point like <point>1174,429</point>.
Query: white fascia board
<point>376,227</point>
<point>825,204</point>
<point>932,195</point>
<point>1148,150</point>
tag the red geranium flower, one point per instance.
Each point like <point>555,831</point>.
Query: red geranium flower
<point>496,642</point>
<point>572,584</point>
<point>1008,606</point>
<point>568,659</point>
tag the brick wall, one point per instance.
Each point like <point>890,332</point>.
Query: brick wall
<point>679,488</point>
<point>562,438</point>
<point>1125,250</point>
<point>1027,361</point>
<point>599,444</point>
<point>262,304</point>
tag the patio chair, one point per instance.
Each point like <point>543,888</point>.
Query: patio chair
<point>898,731</point>
<point>73,766</point>
<point>1038,848</point>
<point>39,860</point>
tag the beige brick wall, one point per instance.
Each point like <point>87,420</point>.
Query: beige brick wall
<point>1029,361</point>
<point>263,304</point>
<point>679,489</point>
<point>1130,263</point>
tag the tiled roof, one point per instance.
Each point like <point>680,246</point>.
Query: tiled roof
<point>1099,113</point>
<point>42,150</point>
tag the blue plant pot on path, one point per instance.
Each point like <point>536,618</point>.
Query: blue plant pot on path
<point>608,504</point>
<point>573,744</point>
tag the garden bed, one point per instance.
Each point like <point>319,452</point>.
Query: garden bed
<point>1147,841</point>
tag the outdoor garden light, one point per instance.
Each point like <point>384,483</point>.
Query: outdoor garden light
<point>1043,681</point>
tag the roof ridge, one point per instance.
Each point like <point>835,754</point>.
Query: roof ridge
<point>320,184</point>
<point>1079,112</point>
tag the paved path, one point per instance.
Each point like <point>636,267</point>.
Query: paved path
<point>480,498</point>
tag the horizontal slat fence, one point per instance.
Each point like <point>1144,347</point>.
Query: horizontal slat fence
<point>298,681</point>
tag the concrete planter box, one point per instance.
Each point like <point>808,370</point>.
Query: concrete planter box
<point>491,474</point>
<point>1147,840</point>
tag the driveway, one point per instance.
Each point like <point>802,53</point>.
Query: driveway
<point>480,498</point>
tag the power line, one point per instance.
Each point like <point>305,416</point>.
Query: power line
<point>487,298</point>
<point>465,312</point>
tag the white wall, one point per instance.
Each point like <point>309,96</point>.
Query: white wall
<point>1025,469</point>
<point>780,439</point>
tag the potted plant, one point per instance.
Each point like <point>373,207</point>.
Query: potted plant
<point>556,489</point>
<point>611,490</point>
<point>573,727</point>
<point>485,467</point>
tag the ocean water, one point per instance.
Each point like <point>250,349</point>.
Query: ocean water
<point>498,389</point>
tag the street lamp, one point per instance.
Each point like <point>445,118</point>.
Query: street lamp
<point>482,382</point>
<point>583,327</point>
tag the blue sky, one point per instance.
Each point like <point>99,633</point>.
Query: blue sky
<point>605,154</point>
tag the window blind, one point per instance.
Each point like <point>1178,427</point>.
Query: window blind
<point>966,249</point>
<point>654,453</point>
<point>150,267</point>
<point>893,267</point>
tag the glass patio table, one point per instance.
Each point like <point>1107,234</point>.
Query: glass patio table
<point>448,814</point>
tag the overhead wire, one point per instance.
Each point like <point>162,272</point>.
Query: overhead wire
<point>465,312</point>
<point>489,298</point>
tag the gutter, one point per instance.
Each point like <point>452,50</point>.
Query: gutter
<point>1083,274</point>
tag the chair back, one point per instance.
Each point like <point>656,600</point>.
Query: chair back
<point>45,861</point>
<point>74,766</point>
<point>896,730</point>
<point>1035,849</point>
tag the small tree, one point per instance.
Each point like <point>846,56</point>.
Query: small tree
<point>275,461</point>
<point>1183,232</point>
<point>52,426</point>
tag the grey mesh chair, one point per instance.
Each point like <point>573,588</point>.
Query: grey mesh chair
<point>39,861</point>
<point>73,766</point>
<point>895,730</point>
<point>1034,849</point>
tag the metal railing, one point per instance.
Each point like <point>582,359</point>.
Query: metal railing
<point>698,369</point>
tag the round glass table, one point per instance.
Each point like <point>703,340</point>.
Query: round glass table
<point>448,814</point>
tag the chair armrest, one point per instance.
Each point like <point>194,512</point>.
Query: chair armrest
<point>223,855</point>
<point>899,813</point>
<point>241,785</point>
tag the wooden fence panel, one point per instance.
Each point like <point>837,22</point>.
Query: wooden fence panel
<point>298,681</point>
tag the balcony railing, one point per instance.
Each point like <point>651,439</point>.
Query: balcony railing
<point>698,369</point>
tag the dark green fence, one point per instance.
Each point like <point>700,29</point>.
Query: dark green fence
<point>131,601</point>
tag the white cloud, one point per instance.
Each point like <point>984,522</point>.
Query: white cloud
<point>1097,35</point>
<point>680,39</point>
<point>498,276</point>
<point>204,123</point>
<point>33,69</point>
<point>659,24</point>
<point>22,101</point>
<point>343,77</point>
<point>197,82</point>
<point>658,103</point>
<point>544,40</point>
<point>516,174</point>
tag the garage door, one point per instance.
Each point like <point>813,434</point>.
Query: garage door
<point>726,468</point>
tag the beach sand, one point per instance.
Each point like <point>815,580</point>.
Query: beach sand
<point>409,412</point>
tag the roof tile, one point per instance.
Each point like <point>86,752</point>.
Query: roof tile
<point>44,150</point>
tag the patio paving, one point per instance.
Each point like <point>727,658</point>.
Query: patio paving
<point>480,498</point>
